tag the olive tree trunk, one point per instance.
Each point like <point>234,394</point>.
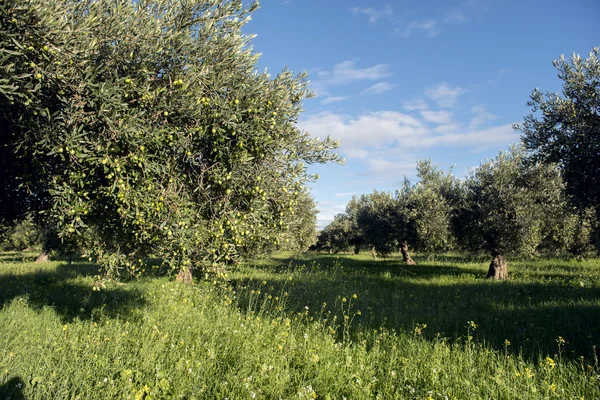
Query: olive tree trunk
<point>374,253</point>
<point>405,255</point>
<point>184,276</point>
<point>43,257</point>
<point>498,268</point>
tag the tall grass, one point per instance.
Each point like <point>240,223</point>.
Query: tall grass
<point>316,327</point>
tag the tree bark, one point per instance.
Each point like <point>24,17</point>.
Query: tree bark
<point>498,268</point>
<point>184,276</point>
<point>374,253</point>
<point>43,257</point>
<point>405,255</point>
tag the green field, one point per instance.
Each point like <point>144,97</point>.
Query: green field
<point>317,326</point>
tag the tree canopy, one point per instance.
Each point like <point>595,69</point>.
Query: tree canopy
<point>145,127</point>
<point>564,128</point>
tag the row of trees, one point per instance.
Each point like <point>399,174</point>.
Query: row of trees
<point>543,194</point>
<point>132,128</point>
<point>142,127</point>
<point>505,206</point>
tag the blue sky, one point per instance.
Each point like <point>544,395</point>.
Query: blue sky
<point>396,82</point>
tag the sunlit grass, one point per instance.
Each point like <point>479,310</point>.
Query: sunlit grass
<point>310,327</point>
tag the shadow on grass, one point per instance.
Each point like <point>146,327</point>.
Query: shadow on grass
<point>17,258</point>
<point>530,315</point>
<point>390,265</point>
<point>13,389</point>
<point>68,290</point>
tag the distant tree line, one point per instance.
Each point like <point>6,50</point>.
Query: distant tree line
<point>542,195</point>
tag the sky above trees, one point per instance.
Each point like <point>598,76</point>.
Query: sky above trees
<point>401,81</point>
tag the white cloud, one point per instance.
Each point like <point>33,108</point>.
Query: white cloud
<point>476,140</point>
<point>441,117</point>
<point>382,167</point>
<point>432,26</point>
<point>481,116</point>
<point>428,26</point>
<point>327,211</point>
<point>373,14</point>
<point>346,72</point>
<point>418,104</point>
<point>334,99</point>
<point>345,194</point>
<point>379,88</point>
<point>447,128</point>
<point>370,131</point>
<point>387,133</point>
<point>445,95</point>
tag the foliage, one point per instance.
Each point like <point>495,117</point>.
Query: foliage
<point>336,236</point>
<point>376,220</point>
<point>24,235</point>
<point>423,215</point>
<point>344,232</point>
<point>145,128</point>
<point>301,225</point>
<point>510,204</point>
<point>434,202</point>
<point>564,128</point>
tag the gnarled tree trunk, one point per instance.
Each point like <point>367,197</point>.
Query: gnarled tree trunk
<point>43,257</point>
<point>184,276</point>
<point>405,255</point>
<point>374,253</point>
<point>498,268</point>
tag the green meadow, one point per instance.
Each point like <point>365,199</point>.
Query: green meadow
<point>306,327</point>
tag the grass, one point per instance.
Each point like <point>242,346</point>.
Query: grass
<point>315,326</point>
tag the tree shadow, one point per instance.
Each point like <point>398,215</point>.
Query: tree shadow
<point>531,316</point>
<point>389,266</point>
<point>13,389</point>
<point>68,290</point>
<point>17,258</point>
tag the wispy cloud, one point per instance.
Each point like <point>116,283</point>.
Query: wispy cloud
<point>373,14</point>
<point>327,210</point>
<point>379,88</point>
<point>417,104</point>
<point>455,17</point>
<point>499,75</point>
<point>480,117</point>
<point>334,99</point>
<point>345,194</point>
<point>391,168</point>
<point>346,72</point>
<point>445,95</point>
<point>429,26</point>
<point>441,117</point>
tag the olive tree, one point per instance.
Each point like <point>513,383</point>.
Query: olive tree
<point>376,222</point>
<point>433,203</point>
<point>509,204</point>
<point>564,128</point>
<point>144,127</point>
<point>300,230</point>
<point>337,235</point>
